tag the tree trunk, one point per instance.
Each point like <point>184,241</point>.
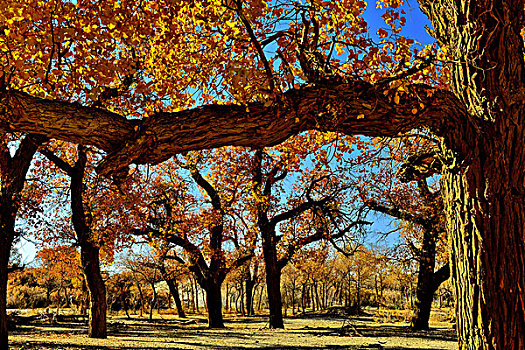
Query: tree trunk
<point>293,296</point>
<point>425,286</point>
<point>5,249</point>
<point>214,303</point>
<point>89,255</point>
<point>141,298</point>
<point>249,284</point>
<point>259,303</point>
<point>273,282</point>
<point>89,252</point>
<point>84,298</point>
<point>487,253</point>
<point>174,290</point>
<point>227,301</point>
<point>153,301</point>
<point>484,151</point>
<point>358,292</point>
<point>196,300</point>
<point>13,170</point>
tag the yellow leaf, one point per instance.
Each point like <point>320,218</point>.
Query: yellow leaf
<point>112,26</point>
<point>396,99</point>
<point>360,116</point>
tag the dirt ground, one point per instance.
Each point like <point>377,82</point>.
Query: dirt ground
<point>170,332</point>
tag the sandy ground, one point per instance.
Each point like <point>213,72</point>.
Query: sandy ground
<point>169,332</point>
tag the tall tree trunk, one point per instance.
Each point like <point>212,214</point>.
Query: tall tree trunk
<point>488,252</point>
<point>293,297</point>
<point>249,285</point>
<point>89,252</point>
<point>428,281</point>
<point>196,296</point>
<point>358,292</point>
<point>13,170</point>
<point>214,303</point>
<point>141,298</point>
<point>484,151</point>
<point>273,282</point>
<point>84,298</point>
<point>227,301</point>
<point>425,286</point>
<point>174,290</point>
<point>5,250</point>
<point>153,301</point>
<point>241,298</point>
<point>89,255</point>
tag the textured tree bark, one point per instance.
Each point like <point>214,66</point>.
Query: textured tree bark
<point>483,181</point>
<point>489,266</point>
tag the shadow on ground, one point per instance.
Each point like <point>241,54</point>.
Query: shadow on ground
<point>176,333</point>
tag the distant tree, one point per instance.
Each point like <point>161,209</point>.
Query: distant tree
<point>147,270</point>
<point>313,212</point>
<point>198,226</point>
<point>419,209</point>
<point>60,269</point>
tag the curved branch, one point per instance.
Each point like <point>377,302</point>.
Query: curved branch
<point>353,107</point>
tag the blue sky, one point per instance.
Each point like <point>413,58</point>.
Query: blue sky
<point>415,21</point>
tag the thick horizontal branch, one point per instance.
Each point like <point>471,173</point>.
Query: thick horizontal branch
<point>351,108</point>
